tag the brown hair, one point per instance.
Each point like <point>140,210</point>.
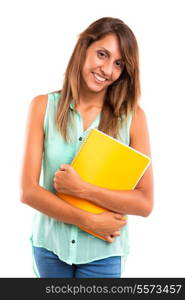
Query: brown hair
<point>122,96</point>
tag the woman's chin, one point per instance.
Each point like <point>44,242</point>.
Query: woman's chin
<point>95,88</point>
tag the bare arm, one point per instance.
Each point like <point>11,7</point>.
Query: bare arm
<point>138,201</point>
<point>41,199</point>
<point>31,192</point>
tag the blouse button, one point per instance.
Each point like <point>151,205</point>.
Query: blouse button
<point>80,138</point>
<point>73,241</point>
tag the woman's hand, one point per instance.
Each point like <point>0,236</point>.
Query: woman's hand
<point>107,224</point>
<point>67,181</point>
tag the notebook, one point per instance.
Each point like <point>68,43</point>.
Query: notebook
<point>108,163</point>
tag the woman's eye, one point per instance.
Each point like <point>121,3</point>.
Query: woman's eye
<point>101,54</point>
<point>119,64</point>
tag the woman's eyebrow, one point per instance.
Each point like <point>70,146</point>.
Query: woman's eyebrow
<point>109,52</point>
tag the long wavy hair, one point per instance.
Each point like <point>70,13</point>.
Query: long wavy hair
<point>121,96</point>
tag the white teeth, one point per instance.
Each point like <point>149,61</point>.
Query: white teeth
<point>99,78</point>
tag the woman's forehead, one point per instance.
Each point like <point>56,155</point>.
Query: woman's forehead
<point>109,43</point>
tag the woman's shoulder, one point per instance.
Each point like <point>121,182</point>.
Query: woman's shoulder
<point>138,119</point>
<point>138,113</point>
<point>40,101</point>
<point>139,128</point>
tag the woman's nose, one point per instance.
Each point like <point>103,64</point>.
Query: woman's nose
<point>107,69</point>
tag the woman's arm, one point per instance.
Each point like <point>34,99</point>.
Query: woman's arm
<point>43,200</point>
<point>138,201</point>
<point>31,193</point>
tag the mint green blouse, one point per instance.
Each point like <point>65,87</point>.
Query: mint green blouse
<point>57,236</point>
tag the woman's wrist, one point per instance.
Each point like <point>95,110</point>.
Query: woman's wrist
<point>84,219</point>
<point>86,191</point>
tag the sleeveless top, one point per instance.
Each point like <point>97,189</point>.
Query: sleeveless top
<point>67,241</point>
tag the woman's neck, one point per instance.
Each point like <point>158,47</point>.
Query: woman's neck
<point>91,99</point>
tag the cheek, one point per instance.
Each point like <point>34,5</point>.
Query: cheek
<point>116,75</point>
<point>90,64</point>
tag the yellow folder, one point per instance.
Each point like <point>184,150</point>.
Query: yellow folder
<point>105,162</point>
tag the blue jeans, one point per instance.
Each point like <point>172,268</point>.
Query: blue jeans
<point>50,266</point>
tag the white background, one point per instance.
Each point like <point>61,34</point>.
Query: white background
<point>37,38</point>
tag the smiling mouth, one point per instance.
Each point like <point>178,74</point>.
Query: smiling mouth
<point>98,78</point>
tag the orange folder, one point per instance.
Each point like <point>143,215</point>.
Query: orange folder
<point>106,162</point>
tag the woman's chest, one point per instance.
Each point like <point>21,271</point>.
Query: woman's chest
<point>87,118</point>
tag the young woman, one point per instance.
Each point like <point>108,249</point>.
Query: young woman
<point>101,89</point>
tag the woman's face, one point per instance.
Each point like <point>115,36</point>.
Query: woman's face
<point>103,64</point>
